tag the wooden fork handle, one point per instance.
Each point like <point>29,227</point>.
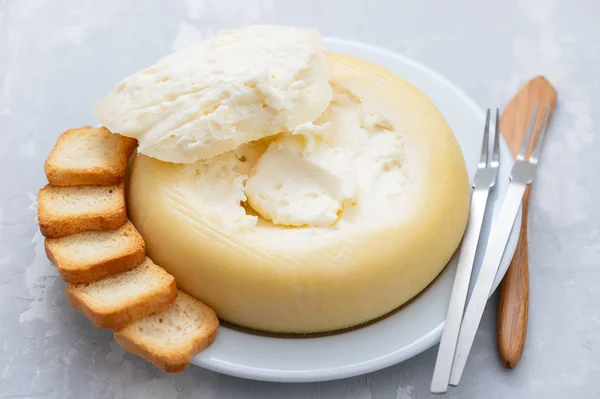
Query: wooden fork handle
<point>514,298</point>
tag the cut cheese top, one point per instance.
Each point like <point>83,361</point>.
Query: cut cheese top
<point>351,167</point>
<point>349,164</point>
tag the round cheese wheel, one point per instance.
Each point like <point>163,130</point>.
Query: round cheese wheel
<point>385,248</point>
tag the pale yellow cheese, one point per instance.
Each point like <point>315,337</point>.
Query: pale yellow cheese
<point>396,228</point>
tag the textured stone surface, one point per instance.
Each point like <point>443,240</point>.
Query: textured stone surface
<point>58,57</point>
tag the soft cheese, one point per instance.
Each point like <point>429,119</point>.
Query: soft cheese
<point>230,89</point>
<point>394,204</point>
<point>296,188</point>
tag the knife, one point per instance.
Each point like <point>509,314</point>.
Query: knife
<point>514,290</point>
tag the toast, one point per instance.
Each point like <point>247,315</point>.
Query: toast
<point>117,300</point>
<point>89,156</point>
<point>94,255</point>
<point>69,210</point>
<point>169,339</point>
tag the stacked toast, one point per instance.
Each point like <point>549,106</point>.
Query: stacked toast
<point>102,257</point>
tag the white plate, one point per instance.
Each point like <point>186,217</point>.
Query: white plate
<point>412,329</point>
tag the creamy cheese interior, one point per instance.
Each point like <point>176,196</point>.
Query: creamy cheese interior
<point>350,162</point>
<point>230,89</point>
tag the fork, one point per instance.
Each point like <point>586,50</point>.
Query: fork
<point>522,174</point>
<point>484,180</point>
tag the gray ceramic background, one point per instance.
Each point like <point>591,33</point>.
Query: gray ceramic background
<point>58,57</point>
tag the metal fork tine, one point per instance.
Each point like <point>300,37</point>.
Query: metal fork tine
<point>496,150</point>
<point>527,139</point>
<point>483,159</point>
<point>535,154</point>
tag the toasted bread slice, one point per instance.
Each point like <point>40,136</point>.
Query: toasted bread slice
<point>89,156</point>
<point>117,300</point>
<point>94,255</point>
<point>69,210</point>
<point>169,339</point>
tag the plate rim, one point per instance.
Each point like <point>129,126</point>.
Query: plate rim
<point>394,357</point>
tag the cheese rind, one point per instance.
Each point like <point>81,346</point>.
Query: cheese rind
<point>230,89</point>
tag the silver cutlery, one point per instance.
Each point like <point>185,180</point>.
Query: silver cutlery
<point>521,175</point>
<point>484,180</point>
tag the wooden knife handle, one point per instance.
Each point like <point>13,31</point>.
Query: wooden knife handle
<point>514,291</point>
<point>514,298</point>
